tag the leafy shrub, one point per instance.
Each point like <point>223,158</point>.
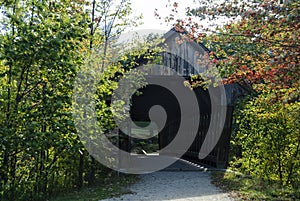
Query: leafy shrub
<point>268,139</point>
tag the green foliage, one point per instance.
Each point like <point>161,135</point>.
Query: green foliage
<point>242,187</point>
<point>39,60</point>
<point>110,185</point>
<point>269,138</point>
<point>43,45</point>
<point>139,52</point>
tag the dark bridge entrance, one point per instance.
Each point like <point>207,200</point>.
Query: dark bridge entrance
<point>183,58</point>
<point>156,95</point>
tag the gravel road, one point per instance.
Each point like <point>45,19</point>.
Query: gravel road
<point>176,186</point>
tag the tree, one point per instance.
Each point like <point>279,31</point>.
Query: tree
<point>43,46</point>
<point>39,60</point>
<point>108,19</point>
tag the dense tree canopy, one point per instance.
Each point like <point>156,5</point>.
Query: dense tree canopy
<point>43,45</point>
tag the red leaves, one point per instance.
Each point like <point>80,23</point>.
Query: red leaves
<point>215,61</point>
<point>261,48</point>
<point>244,68</point>
<point>228,26</point>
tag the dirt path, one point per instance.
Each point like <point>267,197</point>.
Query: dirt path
<point>176,186</point>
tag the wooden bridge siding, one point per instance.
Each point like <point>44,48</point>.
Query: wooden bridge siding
<point>178,64</point>
<point>182,57</point>
<point>217,158</point>
<point>219,155</point>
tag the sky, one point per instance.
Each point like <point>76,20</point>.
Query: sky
<point>147,8</point>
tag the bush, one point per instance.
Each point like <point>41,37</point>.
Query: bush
<point>268,138</point>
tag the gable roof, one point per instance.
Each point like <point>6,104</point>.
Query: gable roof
<point>173,32</point>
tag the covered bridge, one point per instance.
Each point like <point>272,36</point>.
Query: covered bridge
<point>182,57</point>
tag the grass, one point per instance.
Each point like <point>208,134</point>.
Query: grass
<point>148,145</point>
<point>248,188</point>
<point>112,186</point>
